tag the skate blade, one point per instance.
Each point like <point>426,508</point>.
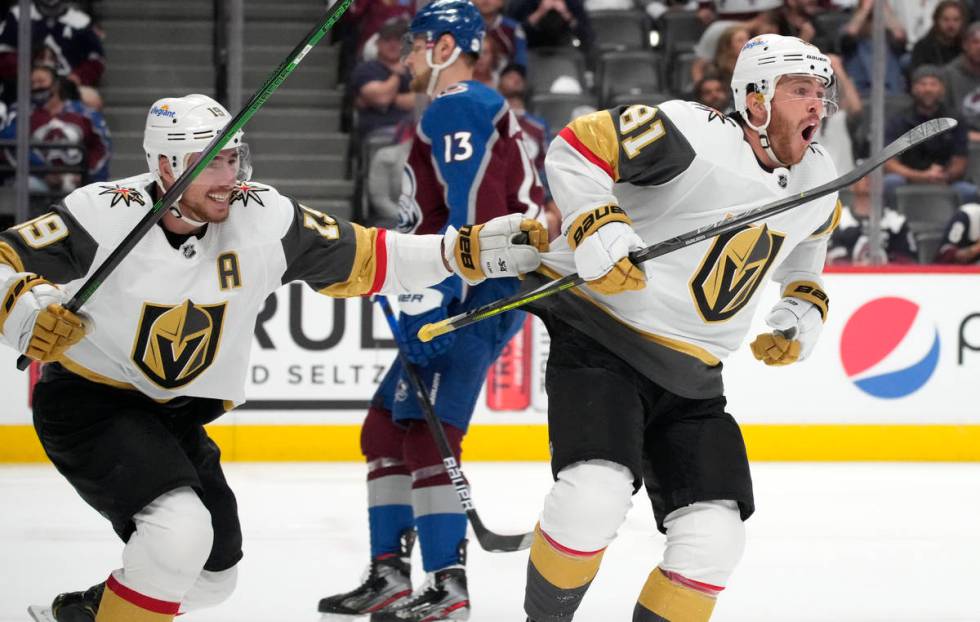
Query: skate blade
<point>40,613</point>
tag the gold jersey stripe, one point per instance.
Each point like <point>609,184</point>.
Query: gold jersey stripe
<point>810,292</point>
<point>10,257</point>
<point>828,227</point>
<point>674,602</point>
<point>597,133</point>
<point>363,268</point>
<point>674,344</point>
<point>561,569</point>
<point>88,374</point>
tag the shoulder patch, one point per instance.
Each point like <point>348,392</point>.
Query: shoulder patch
<point>652,150</point>
<point>246,192</point>
<point>126,195</point>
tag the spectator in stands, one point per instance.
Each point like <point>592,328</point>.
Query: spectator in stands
<point>713,92</point>
<point>915,17</point>
<point>726,53</point>
<point>961,241</point>
<point>834,132</point>
<point>369,16</point>
<point>749,14</point>
<point>65,35</point>
<point>555,23</point>
<point>381,87</point>
<point>850,244</point>
<point>57,117</point>
<point>536,134</point>
<point>962,77</point>
<point>941,160</point>
<point>944,40</point>
<point>384,182</point>
<point>795,19</point>
<point>486,68</point>
<point>509,40</point>
<point>858,52</point>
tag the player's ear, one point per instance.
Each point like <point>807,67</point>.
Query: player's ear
<point>755,104</point>
<point>444,47</point>
<point>166,171</point>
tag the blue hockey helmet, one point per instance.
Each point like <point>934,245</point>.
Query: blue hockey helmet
<point>458,18</point>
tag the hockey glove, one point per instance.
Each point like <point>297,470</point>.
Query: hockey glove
<point>417,310</point>
<point>796,321</point>
<point>33,320</point>
<point>602,239</point>
<point>506,246</point>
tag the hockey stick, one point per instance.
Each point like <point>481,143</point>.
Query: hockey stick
<point>913,137</point>
<point>214,147</point>
<point>490,541</point>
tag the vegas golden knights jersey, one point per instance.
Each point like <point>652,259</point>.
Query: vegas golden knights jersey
<point>179,321</point>
<point>673,169</point>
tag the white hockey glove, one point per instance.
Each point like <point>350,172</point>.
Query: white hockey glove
<point>506,246</point>
<point>33,321</point>
<point>797,321</point>
<point>602,239</point>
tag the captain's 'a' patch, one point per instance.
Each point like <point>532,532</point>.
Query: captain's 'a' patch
<point>176,343</point>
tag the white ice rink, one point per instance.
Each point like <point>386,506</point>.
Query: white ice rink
<point>828,543</point>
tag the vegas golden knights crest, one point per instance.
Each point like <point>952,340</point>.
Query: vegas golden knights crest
<point>733,269</point>
<point>175,344</point>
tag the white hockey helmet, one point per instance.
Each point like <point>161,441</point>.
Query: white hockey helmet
<point>760,64</point>
<point>177,127</point>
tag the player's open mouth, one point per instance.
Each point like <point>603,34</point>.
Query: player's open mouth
<point>809,131</point>
<point>220,198</point>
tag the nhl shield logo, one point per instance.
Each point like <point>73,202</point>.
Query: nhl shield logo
<point>732,271</point>
<point>176,343</point>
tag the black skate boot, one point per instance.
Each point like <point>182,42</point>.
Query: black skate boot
<point>443,596</point>
<point>388,582</point>
<point>77,606</point>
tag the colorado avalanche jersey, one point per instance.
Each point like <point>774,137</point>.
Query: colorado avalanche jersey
<point>467,164</point>
<point>673,169</point>
<point>179,321</point>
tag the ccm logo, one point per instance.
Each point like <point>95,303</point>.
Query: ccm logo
<point>598,214</point>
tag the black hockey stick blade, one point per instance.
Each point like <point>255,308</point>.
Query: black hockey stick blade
<point>160,208</point>
<point>913,137</point>
<point>489,541</point>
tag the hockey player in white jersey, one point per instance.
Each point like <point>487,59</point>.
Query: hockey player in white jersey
<point>126,392</point>
<point>634,372</point>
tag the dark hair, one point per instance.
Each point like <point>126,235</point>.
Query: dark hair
<point>942,6</point>
<point>514,67</point>
<point>67,90</point>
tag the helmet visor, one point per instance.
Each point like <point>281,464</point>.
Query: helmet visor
<point>234,164</point>
<point>809,91</point>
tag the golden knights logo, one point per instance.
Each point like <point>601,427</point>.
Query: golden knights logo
<point>246,192</point>
<point>175,344</point>
<point>126,195</point>
<point>732,271</point>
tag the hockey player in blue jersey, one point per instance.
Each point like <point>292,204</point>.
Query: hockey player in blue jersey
<point>466,164</point>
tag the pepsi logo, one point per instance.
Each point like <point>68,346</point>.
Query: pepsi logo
<point>889,348</point>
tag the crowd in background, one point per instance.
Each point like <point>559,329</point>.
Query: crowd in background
<point>556,59</point>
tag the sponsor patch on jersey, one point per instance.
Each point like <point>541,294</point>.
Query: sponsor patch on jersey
<point>732,271</point>
<point>246,192</point>
<point>119,193</point>
<point>176,343</point>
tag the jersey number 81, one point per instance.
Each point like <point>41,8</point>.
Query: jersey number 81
<point>639,117</point>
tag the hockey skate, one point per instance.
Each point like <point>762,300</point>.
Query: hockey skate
<point>443,596</point>
<point>387,582</point>
<point>71,606</point>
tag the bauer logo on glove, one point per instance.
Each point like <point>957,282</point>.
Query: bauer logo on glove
<point>507,246</point>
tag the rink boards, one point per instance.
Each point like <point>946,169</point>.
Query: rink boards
<point>896,376</point>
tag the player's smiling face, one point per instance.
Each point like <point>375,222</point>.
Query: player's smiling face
<point>208,197</point>
<point>797,108</point>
